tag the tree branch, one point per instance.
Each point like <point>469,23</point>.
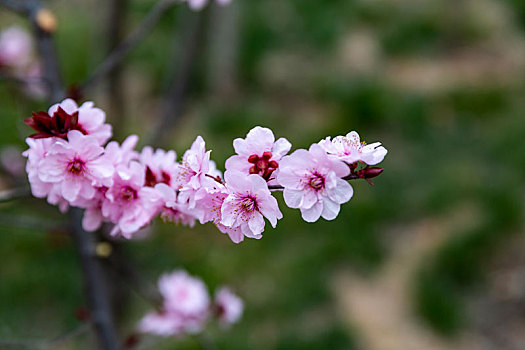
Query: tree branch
<point>42,29</point>
<point>45,344</point>
<point>173,102</point>
<point>122,50</point>
<point>14,193</point>
<point>95,284</point>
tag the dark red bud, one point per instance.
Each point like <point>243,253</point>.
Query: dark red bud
<point>273,164</point>
<point>254,170</point>
<point>131,341</point>
<point>253,158</point>
<point>82,314</point>
<point>267,155</point>
<point>372,172</point>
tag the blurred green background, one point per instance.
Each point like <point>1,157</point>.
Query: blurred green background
<point>431,257</point>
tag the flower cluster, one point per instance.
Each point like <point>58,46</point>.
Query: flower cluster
<point>186,306</point>
<point>18,58</point>
<point>70,164</point>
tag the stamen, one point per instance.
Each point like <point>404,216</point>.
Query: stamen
<point>317,182</point>
<point>76,167</point>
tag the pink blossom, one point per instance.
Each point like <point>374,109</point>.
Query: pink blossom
<point>312,182</point>
<point>75,167</point>
<point>34,86</point>
<point>229,307</point>
<point>350,149</point>
<point>122,155</point>
<point>128,203</point>
<point>208,209</point>
<point>185,306</point>
<point>16,49</point>
<point>249,201</point>
<point>172,210</point>
<point>12,161</point>
<point>162,324</point>
<point>194,178</point>
<point>198,5</point>
<point>160,166</point>
<point>90,119</point>
<point>258,153</point>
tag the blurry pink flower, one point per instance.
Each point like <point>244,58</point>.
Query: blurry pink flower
<point>34,86</point>
<point>228,306</point>
<point>185,307</point>
<point>162,324</point>
<point>312,182</point>
<point>198,5</point>
<point>350,149</point>
<point>258,153</point>
<point>16,50</point>
<point>76,166</point>
<point>249,201</point>
<point>90,119</point>
<point>160,166</point>
<point>128,204</point>
<point>12,161</point>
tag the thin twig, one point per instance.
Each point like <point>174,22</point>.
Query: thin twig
<point>20,7</point>
<point>21,80</point>
<point>45,344</point>
<point>30,222</point>
<point>14,193</point>
<point>134,280</point>
<point>115,30</point>
<point>173,102</point>
<point>122,50</point>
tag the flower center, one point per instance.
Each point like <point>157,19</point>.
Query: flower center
<point>128,193</point>
<point>76,167</point>
<point>249,204</point>
<point>316,182</point>
<point>263,165</point>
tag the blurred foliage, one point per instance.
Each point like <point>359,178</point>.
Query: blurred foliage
<point>458,145</point>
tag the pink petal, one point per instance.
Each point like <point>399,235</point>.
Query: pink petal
<point>312,214</point>
<point>330,209</point>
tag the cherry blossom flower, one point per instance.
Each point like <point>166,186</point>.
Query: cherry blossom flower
<point>160,166</point>
<point>350,149</point>
<point>128,203</point>
<point>195,174</point>
<point>312,182</point>
<point>258,153</point>
<point>172,210</point>
<point>76,166</point>
<point>185,306</point>
<point>122,155</point>
<point>228,306</point>
<point>90,120</point>
<point>249,201</point>
<point>208,209</point>
<point>16,49</point>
